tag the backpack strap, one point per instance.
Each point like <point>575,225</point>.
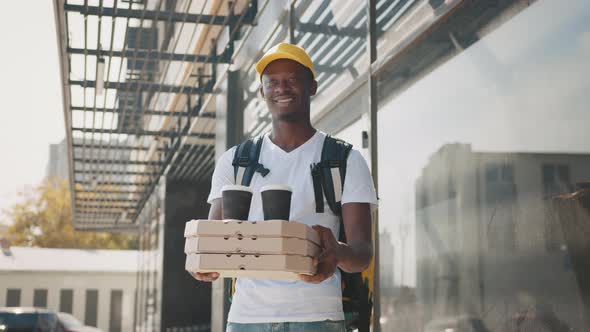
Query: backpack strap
<point>245,161</point>
<point>245,164</point>
<point>329,174</point>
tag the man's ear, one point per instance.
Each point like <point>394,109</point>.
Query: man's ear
<point>314,88</point>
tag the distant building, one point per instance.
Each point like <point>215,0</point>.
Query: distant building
<point>485,232</point>
<point>57,165</point>
<point>96,286</point>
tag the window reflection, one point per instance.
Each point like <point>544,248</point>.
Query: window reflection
<point>481,139</point>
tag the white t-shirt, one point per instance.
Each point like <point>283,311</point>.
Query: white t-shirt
<point>269,301</point>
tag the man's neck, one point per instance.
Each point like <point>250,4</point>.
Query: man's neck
<point>290,135</point>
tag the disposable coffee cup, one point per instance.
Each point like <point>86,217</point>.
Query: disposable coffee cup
<point>236,201</point>
<point>276,201</point>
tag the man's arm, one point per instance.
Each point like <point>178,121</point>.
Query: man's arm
<point>354,255</point>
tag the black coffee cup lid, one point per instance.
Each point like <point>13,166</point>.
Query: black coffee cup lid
<point>276,187</point>
<point>236,187</point>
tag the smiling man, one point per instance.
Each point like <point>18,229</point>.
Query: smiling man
<point>314,303</point>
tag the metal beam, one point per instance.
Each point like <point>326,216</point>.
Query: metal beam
<point>94,214</point>
<point>99,199</point>
<point>145,112</point>
<point>148,55</point>
<point>102,227</point>
<point>108,192</point>
<point>118,161</point>
<point>110,147</point>
<point>111,172</point>
<point>348,31</point>
<point>92,223</point>
<point>85,222</point>
<point>87,217</point>
<point>114,183</point>
<point>106,209</point>
<point>100,206</point>
<point>331,30</point>
<point>371,31</point>
<point>143,133</point>
<point>107,147</point>
<point>330,69</point>
<point>142,86</point>
<point>83,225</point>
<point>166,16</point>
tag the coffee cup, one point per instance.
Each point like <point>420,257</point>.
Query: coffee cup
<point>236,201</point>
<point>276,201</point>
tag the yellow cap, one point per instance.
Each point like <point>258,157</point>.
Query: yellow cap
<point>285,51</point>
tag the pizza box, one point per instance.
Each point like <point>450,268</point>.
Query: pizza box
<point>251,266</point>
<point>252,229</point>
<point>247,245</point>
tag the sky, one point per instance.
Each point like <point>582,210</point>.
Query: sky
<point>32,112</point>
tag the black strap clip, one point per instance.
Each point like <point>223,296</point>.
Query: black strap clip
<point>261,169</point>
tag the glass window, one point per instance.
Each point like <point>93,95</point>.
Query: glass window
<point>40,298</point>
<point>556,179</point>
<point>491,104</point>
<point>91,308</point>
<point>66,300</point>
<point>13,297</point>
<point>116,310</point>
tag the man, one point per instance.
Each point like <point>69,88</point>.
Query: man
<point>315,302</point>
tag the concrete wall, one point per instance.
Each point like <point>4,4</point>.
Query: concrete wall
<point>27,281</point>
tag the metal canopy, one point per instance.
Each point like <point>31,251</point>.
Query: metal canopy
<point>160,15</point>
<point>135,75</point>
<point>154,56</point>
<point>146,112</point>
<point>334,33</point>
<point>144,86</point>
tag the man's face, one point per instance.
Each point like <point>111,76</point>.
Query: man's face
<point>287,87</point>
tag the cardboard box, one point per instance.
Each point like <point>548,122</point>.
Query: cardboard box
<point>251,229</point>
<point>267,246</point>
<point>251,266</point>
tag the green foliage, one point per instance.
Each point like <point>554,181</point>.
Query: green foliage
<point>43,218</point>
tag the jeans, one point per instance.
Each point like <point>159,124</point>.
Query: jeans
<point>322,326</point>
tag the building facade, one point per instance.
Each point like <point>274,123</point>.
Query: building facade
<point>57,165</point>
<point>96,286</point>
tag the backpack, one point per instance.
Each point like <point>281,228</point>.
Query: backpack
<point>328,180</point>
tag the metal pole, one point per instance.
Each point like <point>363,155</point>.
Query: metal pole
<point>373,107</point>
<point>292,21</point>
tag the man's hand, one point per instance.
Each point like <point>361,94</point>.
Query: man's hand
<point>207,277</point>
<point>327,262</point>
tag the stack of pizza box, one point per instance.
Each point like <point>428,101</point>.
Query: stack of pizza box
<point>273,249</point>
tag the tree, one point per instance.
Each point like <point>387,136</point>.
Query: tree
<point>44,219</point>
